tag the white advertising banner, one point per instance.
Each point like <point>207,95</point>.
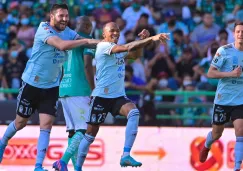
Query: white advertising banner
<point>158,148</point>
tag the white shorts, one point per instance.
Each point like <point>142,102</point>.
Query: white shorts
<point>76,111</point>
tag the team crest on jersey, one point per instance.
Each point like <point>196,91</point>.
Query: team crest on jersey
<point>219,96</point>
<point>106,90</point>
<point>36,78</point>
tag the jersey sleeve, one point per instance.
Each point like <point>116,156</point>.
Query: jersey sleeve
<point>44,32</point>
<point>90,52</point>
<point>107,47</point>
<point>73,35</point>
<point>219,58</point>
<point>122,54</point>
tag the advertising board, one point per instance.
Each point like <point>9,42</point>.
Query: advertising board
<point>158,148</point>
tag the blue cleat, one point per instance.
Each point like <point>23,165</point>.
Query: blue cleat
<point>40,169</point>
<point>60,165</point>
<point>2,149</point>
<point>129,161</point>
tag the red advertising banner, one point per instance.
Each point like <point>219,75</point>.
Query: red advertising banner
<point>159,149</point>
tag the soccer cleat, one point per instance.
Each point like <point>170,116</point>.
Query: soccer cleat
<point>40,169</point>
<point>2,149</point>
<point>129,161</point>
<point>203,154</point>
<point>60,165</point>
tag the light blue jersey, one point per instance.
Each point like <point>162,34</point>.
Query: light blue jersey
<point>230,90</point>
<point>110,71</point>
<point>44,68</point>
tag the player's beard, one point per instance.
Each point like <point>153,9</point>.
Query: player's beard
<point>58,25</point>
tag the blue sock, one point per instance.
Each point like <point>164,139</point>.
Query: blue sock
<point>131,131</point>
<point>238,152</point>
<point>83,149</point>
<point>9,133</point>
<point>209,140</point>
<point>42,146</point>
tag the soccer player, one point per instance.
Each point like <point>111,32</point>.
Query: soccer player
<point>41,78</point>
<point>228,103</point>
<point>75,90</point>
<point>109,93</point>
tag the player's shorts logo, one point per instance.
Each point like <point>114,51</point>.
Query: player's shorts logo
<point>215,157</point>
<point>93,118</point>
<point>21,108</point>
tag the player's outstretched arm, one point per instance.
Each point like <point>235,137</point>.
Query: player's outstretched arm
<point>139,52</point>
<point>163,37</point>
<point>213,72</point>
<point>139,43</point>
<point>70,44</point>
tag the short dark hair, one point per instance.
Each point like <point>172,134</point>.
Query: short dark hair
<point>144,15</point>
<point>239,23</point>
<point>179,32</point>
<point>207,13</point>
<point>214,47</point>
<point>223,31</point>
<point>58,6</point>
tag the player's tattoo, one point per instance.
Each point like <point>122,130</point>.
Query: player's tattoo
<point>138,44</point>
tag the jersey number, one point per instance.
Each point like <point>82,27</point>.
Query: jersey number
<point>101,118</point>
<point>222,117</point>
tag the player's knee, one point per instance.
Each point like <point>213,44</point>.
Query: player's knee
<point>20,124</point>
<point>127,108</point>
<point>239,131</point>
<point>217,134</point>
<point>130,106</point>
<point>71,133</point>
<point>92,130</point>
<point>47,124</point>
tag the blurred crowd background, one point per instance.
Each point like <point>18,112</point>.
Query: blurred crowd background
<point>197,28</point>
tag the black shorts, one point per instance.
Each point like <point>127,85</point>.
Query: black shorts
<point>100,107</point>
<point>223,114</point>
<point>31,99</point>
